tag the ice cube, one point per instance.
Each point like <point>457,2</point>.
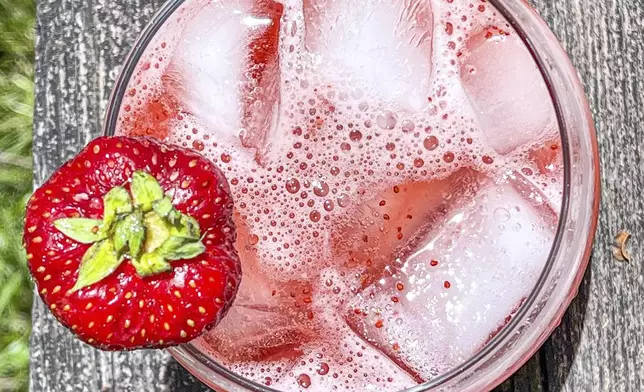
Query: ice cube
<point>262,75</point>
<point>506,90</point>
<point>349,361</point>
<point>546,202</point>
<point>225,68</point>
<point>413,336</point>
<point>459,286</point>
<point>266,323</point>
<point>270,319</point>
<point>385,45</point>
<point>377,234</point>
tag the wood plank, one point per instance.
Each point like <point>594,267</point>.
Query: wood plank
<point>600,344</point>
<point>80,45</point>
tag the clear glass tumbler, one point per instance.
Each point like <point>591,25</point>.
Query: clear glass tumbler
<point>560,279</point>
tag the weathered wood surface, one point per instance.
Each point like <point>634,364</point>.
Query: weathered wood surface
<point>600,343</point>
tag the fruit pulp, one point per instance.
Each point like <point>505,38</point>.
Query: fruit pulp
<point>397,174</point>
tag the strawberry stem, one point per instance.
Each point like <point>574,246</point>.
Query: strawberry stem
<point>141,225</point>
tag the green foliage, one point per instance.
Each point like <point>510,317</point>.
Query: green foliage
<point>16,77</point>
<point>16,108</point>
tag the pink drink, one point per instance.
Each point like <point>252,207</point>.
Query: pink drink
<point>396,169</point>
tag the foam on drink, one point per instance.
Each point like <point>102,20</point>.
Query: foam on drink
<point>396,171</point>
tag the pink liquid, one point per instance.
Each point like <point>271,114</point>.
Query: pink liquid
<point>396,169</point>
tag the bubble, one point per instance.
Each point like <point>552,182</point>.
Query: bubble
<point>344,200</point>
<point>357,93</point>
<point>226,158</point>
<point>304,380</point>
<point>430,143</point>
<point>355,135</point>
<point>345,147</point>
<point>320,188</point>
<point>315,216</point>
<point>323,369</point>
<point>487,160</point>
<point>253,239</point>
<point>387,120</point>
<point>448,157</point>
<point>198,145</point>
<point>449,28</point>
<point>527,171</point>
<point>408,126</point>
<point>292,185</point>
<point>418,162</point>
<point>502,214</point>
<point>335,170</point>
<point>390,146</point>
<point>328,205</point>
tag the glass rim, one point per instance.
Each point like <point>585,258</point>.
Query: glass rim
<point>196,356</point>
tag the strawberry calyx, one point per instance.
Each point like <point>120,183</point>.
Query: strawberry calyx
<point>141,225</point>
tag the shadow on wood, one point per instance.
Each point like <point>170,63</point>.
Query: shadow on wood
<point>179,379</point>
<point>559,352</point>
<point>548,370</point>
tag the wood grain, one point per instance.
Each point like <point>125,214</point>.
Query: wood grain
<point>600,343</point>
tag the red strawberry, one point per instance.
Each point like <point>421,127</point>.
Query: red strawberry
<point>131,244</point>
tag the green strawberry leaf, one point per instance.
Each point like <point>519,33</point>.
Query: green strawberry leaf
<point>99,262</point>
<point>172,243</point>
<point>145,190</point>
<point>191,225</point>
<point>151,264</point>
<point>120,236</point>
<point>174,217</point>
<point>186,226</point>
<point>156,231</point>
<point>130,232</point>
<point>187,250</point>
<point>136,235</point>
<point>83,230</point>
<point>116,202</point>
<point>179,247</point>
<point>163,207</point>
<point>144,226</point>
